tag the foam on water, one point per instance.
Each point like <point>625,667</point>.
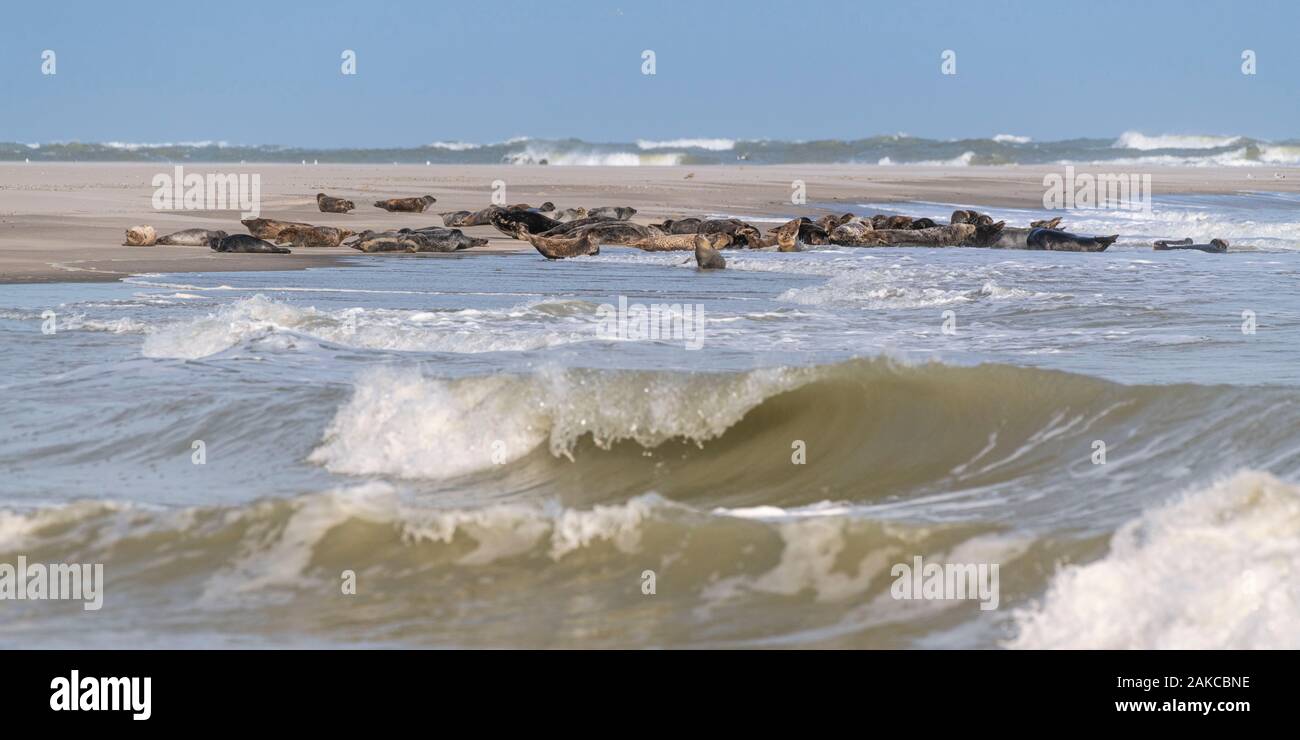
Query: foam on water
<point>1216,569</point>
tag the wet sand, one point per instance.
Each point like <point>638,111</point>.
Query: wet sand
<point>65,222</point>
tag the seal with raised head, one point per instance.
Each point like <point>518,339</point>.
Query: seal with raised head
<point>1216,246</point>
<point>247,244</point>
<point>622,213</point>
<point>193,238</point>
<point>1063,241</point>
<point>406,205</point>
<point>141,236</point>
<point>312,236</point>
<point>558,248</point>
<point>326,204</point>
<point>706,257</point>
<point>269,228</point>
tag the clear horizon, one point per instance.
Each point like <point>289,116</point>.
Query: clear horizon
<point>258,75</point>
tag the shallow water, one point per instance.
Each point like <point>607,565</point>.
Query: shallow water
<point>496,469</point>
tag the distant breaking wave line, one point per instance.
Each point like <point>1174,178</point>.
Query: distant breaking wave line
<point>713,145</point>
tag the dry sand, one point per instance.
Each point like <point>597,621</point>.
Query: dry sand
<point>65,222</point>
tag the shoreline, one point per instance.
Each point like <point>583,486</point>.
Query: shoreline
<point>64,222</point>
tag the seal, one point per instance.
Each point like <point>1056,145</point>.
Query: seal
<point>193,238</point>
<point>856,232</point>
<point>1063,241</point>
<point>622,213</point>
<point>614,232</point>
<point>407,205</point>
<point>571,214</point>
<point>1216,246</point>
<point>808,232</point>
<point>569,227</point>
<point>706,257</point>
<point>427,239</point>
<point>312,236</point>
<point>952,235</point>
<point>558,248</point>
<point>247,244</point>
<point>506,220</point>
<point>140,236</point>
<point>922,223</point>
<point>471,218</point>
<point>269,228</point>
<point>326,204</point>
<point>679,242</point>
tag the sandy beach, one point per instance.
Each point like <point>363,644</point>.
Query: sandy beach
<point>65,222</point>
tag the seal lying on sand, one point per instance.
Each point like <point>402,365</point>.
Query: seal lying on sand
<point>571,227</point>
<point>855,232</point>
<point>804,230</point>
<point>407,205</point>
<point>1064,241</point>
<point>312,236</point>
<point>327,204</point>
<point>534,222</point>
<point>622,213</point>
<point>140,236</point>
<point>1216,246</point>
<point>558,248</point>
<point>193,238</point>
<point>248,245</point>
<point>269,228</point>
<point>743,234</point>
<point>481,217</point>
<point>706,256</point>
<point>679,242</point>
<point>428,239</point>
<point>613,232</point>
<point>571,214</point>
<point>953,235</point>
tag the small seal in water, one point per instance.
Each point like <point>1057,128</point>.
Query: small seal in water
<point>193,238</point>
<point>706,256</point>
<point>406,205</point>
<point>326,204</point>
<point>312,236</point>
<point>140,236</point>
<point>247,244</point>
<point>1216,246</point>
<point>269,228</point>
<point>1064,241</point>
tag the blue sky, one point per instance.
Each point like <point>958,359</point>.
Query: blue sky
<point>268,72</point>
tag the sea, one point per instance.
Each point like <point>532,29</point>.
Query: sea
<point>488,450</point>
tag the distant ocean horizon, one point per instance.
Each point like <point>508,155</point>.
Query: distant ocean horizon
<point>1130,148</point>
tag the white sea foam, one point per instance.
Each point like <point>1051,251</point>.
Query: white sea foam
<point>536,154</point>
<point>403,424</point>
<point>1138,140</point>
<point>713,145</point>
<point>1215,569</point>
<point>529,326</point>
<point>455,146</point>
<point>1011,139</point>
